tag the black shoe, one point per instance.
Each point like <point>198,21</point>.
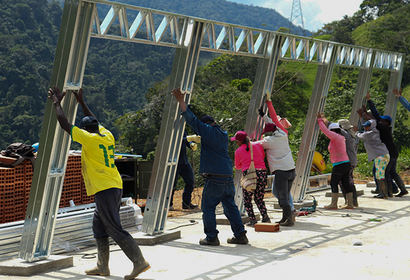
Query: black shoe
<point>381,196</point>
<point>241,239</point>
<point>266,219</point>
<point>402,193</point>
<point>288,223</point>
<point>251,223</point>
<point>210,242</point>
<point>374,192</point>
<point>189,206</point>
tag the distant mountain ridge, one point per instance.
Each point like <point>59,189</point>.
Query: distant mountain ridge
<point>221,10</point>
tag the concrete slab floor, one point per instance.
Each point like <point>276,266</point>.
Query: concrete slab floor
<point>323,245</point>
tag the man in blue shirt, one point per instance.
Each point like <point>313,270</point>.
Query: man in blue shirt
<point>402,100</point>
<point>216,167</point>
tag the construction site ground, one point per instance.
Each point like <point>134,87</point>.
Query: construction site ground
<point>369,242</point>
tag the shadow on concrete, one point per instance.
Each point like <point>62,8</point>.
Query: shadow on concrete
<point>255,257</point>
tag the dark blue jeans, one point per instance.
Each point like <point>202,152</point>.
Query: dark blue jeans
<point>283,185</point>
<point>187,174</point>
<point>218,190</point>
<point>106,220</point>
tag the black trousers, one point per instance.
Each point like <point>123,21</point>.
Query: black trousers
<point>340,172</point>
<point>106,220</point>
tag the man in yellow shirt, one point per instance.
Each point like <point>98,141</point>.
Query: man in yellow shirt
<point>101,178</point>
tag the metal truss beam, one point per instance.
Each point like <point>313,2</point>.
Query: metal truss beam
<point>225,38</point>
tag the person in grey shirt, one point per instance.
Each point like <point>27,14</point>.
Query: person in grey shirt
<point>348,134</point>
<point>377,151</point>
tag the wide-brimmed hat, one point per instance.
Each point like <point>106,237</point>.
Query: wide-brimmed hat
<point>345,124</point>
<point>240,136</point>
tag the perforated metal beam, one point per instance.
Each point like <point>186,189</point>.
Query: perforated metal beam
<point>264,79</point>
<point>172,128</point>
<point>51,161</point>
<point>311,130</point>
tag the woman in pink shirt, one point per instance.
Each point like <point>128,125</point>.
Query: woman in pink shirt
<point>340,162</point>
<point>242,162</point>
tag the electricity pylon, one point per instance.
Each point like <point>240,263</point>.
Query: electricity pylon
<point>296,17</point>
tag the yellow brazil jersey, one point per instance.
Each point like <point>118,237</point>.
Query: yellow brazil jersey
<point>97,159</point>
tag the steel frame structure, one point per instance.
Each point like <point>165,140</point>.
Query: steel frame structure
<point>81,22</point>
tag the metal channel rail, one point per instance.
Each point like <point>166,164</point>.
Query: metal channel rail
<point>73,229</point>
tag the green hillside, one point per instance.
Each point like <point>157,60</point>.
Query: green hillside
<point>118,75</point>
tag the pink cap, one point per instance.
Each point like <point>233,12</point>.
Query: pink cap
<point>240,135</point>
<point>269,127</point>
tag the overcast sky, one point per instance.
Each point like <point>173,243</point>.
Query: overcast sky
<point>315,12</point>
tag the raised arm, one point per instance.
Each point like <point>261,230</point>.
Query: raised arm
<point>372,107</point>
<point>402,100</point>
<point>272,113</point>
<point>180,97</point>
<point>322,126</point>
<point>80,99</point>
<point>57,96</point>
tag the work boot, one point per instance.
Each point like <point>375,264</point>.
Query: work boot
<point>103,256</point>
<point>389,187</point>
<point>133,252</point>
<point>211,242</point>
<point>333,204</point>
<point>189,206</point>
<point>382,190</point>
<point>240,239</point>
<point>294,214</point>
<point>401,186</point>
<point>349,198</point>
<point>283,218</point>
<point>266,219</point>
<point>288,215</point>
<point>355,201</point>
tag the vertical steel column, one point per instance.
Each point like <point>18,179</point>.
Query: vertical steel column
<point>51,161</point>
<point>264,78</point>
<point>311,130</point>
<point>172,128</point>
<point>362,87</point>
<point>391,100</point>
